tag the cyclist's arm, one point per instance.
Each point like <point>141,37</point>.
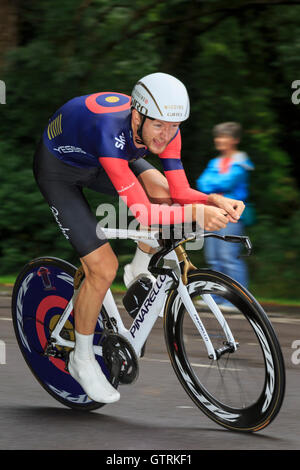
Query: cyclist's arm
<point>180,189</point>
<point>134,196</point>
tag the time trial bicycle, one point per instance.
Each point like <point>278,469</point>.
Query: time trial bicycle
<point>229,362</point>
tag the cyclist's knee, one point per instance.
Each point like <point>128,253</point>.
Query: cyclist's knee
<point>100,267</point>
<point>101,276</point>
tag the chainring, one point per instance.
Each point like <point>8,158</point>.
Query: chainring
<point>120,358</point>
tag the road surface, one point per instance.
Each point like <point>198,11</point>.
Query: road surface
<point>153,413</point>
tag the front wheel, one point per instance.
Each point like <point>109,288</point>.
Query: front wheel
<point>41,293</point>
<point>243,389</point>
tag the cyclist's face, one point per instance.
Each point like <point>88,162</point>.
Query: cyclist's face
<point>157,134</point>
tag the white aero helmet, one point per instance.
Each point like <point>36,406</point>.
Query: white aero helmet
<point>161,96</point>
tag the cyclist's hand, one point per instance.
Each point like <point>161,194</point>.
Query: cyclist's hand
<point>214,218</point>
<point>233,207</point>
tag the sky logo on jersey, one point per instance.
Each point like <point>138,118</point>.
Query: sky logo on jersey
<point>120,141</point>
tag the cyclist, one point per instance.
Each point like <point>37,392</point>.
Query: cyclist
<point>99,141</point>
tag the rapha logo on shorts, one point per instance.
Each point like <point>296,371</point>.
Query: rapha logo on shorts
<point>120,141</point>
<point>63,229</point>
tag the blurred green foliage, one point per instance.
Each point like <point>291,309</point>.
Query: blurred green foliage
<point>238,61</point>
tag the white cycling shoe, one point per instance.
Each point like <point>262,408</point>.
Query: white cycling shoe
<point>131,274</point>
<point>89,375</point>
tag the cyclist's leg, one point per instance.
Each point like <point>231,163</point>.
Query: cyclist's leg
<point>100,268</point>
<point>59,183</point>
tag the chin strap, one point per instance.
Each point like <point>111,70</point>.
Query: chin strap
<point>140,131</point>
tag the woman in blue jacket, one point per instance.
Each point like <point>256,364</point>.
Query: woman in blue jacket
<point>227,175</point>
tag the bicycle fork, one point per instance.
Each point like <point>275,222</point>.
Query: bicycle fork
<point>213,353</point>
<point>182,289</point>
<point>179,261</point>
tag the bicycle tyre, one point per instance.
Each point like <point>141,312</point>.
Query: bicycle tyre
<point>37,303</point>
<point>264,406</point>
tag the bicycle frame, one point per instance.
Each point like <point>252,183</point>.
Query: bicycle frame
<point>149,311</point>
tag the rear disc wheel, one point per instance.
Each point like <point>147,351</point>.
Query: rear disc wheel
<point>41,293</point>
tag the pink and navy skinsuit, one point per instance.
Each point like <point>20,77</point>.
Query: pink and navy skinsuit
<point>88,143</point>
